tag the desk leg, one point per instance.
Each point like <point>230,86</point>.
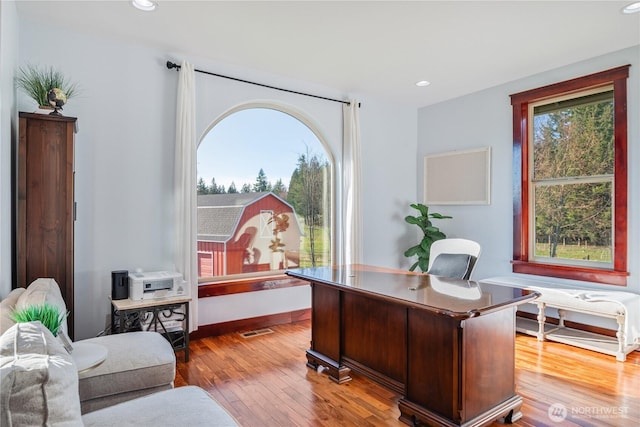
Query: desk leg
<point>337,372</point>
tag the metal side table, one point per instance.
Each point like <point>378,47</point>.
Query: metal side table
<point>168,316</point>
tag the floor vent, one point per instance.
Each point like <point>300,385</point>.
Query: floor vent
<point>255,333</point>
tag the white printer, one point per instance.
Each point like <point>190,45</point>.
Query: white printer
<point>156,284</point>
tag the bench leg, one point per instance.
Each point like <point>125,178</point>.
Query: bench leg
<point>620,355</point>
<point>541,320</point>
<point>561,314</point>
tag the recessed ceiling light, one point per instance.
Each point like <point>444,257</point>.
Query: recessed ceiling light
<point>146,5</point>
<point>632,8</point>
<point>423,83</point>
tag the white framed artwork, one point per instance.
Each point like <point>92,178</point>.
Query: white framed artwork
<point>458,177</point>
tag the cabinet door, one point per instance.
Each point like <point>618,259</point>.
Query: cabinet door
<point>46,203</point>
<point>488,361</point>
<point>433,363</point>
<point>325,331</point>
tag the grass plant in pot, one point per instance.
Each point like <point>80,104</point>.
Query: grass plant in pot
<point>430,233</point>
<point>49,315</point>
<point>46,86</point>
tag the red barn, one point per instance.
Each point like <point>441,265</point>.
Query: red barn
<point>236,231</point>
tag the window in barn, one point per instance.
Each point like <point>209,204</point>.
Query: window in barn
<point>264,196</point>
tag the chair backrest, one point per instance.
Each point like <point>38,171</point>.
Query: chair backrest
<point>451,264</point>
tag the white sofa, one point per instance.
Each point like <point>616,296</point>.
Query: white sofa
<point>39,387</point>
<point>137,363</point>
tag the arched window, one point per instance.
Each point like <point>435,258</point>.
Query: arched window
<point>264,195</point>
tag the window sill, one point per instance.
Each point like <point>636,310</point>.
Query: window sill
<point>253,284</point>
<point>609,277</point>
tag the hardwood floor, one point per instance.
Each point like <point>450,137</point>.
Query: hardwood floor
<point>263,381</point>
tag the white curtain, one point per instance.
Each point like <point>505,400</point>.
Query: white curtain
<point>185,187</point>
<point>351,186</point>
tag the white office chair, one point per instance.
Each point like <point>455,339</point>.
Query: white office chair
<point>453,258</point>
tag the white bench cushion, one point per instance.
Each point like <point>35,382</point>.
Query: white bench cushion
<point>590,301</point>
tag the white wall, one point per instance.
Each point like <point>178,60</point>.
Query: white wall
<point>485,119</point>
<point>8,129</point>
<point>124,155</point>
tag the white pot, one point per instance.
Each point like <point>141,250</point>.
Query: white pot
<point>276,259</point>
<point>44,109</point>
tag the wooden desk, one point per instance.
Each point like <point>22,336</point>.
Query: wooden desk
<point>448,346</point>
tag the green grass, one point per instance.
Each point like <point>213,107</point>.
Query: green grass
<point>49,315</point>
<point>321,240</point>
<point>581,252</point>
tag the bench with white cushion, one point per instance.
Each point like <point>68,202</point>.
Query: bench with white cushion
<point>623,307</point>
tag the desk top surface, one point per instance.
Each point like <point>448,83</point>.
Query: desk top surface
<point>451,297</point>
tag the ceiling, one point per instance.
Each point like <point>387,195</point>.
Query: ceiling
<point>376,48</point>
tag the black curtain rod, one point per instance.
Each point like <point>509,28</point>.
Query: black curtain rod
<point>171,65</point>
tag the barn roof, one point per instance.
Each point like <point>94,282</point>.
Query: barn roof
<point>219,214</point>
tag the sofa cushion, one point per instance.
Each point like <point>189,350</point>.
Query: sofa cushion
<point>38,379</point>
<point>42,291</point>
<point>136,361</point>
<point>7,306</point>
<point>184,406</point>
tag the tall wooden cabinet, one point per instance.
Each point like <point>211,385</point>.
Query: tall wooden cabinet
<point>45,202</point>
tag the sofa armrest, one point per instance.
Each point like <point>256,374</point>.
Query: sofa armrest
<point>7,306</point>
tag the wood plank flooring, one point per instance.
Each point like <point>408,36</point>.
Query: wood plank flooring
<point>263,381</point>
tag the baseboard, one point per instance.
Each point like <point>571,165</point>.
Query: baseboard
<point>242,325</point>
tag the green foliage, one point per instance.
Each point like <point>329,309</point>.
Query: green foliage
<point>262,184</point>
<point>306,190</point>
<point>49,315</point>
<point>430,235</point>
<point>279,188</point>
<point>573,141</point>
<point>321,239</point>
<point>36,83</point>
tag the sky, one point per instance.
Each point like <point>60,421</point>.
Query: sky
<point>241,144</point>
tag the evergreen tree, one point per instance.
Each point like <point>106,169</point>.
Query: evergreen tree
<point>232,188</point>
<point>261,183</point>
<point>574,142</point>
<point>246,188</point>
<point>215,189</point>
<point>202,187</point>
<point>279,188</point>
